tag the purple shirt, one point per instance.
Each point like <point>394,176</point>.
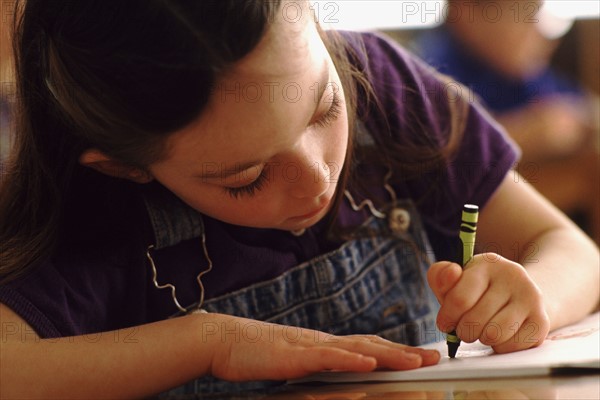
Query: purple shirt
<point>99,279</point>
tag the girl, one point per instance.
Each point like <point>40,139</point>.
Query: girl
<point>219,189</point>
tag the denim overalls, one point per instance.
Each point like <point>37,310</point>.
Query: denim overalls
<point>375,284</point>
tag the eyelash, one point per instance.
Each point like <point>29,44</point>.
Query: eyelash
<point>258,184</point>
<point>250,189</point>
<point>332,114</point>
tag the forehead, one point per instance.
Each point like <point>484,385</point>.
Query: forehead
<point>290,55</point>
<point>286,48</point>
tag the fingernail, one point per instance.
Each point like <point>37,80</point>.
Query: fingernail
<point>411,356</point>
<point>431,353</point>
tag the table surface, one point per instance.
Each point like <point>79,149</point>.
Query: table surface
<point>571,386</point>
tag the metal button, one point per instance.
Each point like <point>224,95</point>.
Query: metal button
<point>399,220</point>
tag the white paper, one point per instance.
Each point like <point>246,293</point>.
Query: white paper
<point>574,346</point>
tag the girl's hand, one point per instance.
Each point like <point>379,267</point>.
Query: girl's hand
<point>244,349</point>
<point>493,299</point>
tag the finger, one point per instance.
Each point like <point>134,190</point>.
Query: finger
<point>442,276</point>
<point>389,354</point>
<point>471,325</point>
<point>299,361</point>
<point>461,298</point>
<point>428,356</point>
<point>531,333</point>
<point>303,361</point>
<point>386,353</point>
<point>503,326</point>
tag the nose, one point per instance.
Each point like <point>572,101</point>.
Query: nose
<point>307,177</point>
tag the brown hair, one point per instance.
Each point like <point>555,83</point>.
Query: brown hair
<point>120,79</point>
<point>117,76</point>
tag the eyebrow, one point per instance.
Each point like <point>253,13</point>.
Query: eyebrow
<point>222,173</point>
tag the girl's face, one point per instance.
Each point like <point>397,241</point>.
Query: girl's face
<point>268,150</point>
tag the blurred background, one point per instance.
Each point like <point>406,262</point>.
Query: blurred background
<point>534,64</point>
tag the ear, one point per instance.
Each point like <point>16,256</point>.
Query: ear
<point>95,159</point>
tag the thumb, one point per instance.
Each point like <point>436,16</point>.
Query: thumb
<point>442,276</point>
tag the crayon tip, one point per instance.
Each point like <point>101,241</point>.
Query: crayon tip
<point>452,349</point>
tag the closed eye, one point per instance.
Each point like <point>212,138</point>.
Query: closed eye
<point>332,114</point>
<point>251,188</point>
<point>259,183</point>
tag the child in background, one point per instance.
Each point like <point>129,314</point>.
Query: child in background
<point>502,52</point>
<point>211,192</point>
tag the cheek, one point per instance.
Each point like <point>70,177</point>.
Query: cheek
<point>339,143</point>
<point>257,211</point>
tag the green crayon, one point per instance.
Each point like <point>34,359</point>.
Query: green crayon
<point>468,230</point>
